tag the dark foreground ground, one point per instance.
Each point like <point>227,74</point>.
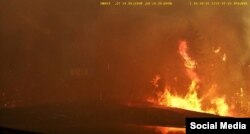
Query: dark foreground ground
<point>94,118</point>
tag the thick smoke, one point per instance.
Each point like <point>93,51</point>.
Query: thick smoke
<point>246,19</point>
<point>78,51</point>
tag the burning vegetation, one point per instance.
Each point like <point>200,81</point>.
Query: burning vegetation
<point>191,101</point>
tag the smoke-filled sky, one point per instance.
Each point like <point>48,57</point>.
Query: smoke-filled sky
<point>56,51</point>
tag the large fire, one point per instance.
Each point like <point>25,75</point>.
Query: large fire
<point>190,101</point>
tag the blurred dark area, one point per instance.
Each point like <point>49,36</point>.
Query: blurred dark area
<point>95,117</point>
<point>78,51</point>
<point>14,131</point>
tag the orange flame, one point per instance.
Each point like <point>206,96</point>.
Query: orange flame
<point>191,100</point>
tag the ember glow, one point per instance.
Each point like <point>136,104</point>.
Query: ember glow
<point>169,130</point>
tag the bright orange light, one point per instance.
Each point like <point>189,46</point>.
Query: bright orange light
<point>224,57</point>
<point>170,130</point>
<point>217,50</point>
<point>190,101</point>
